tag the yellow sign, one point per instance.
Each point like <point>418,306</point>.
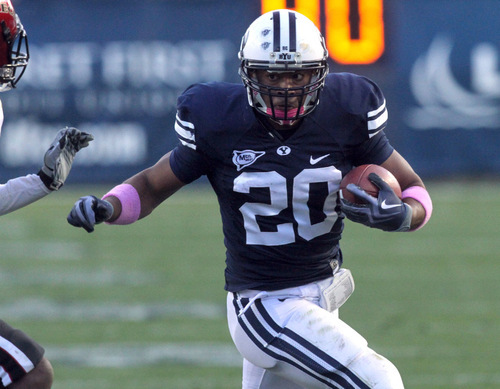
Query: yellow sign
<point>354,29</point>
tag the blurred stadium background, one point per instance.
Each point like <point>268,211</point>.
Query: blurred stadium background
<point>143,306</point>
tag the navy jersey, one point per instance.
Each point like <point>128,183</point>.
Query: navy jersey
<point>278,197</point>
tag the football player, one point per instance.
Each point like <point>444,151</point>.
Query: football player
<point>22,361</point>
<point>275,150</point>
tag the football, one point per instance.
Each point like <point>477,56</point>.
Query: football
<point>359,176</point>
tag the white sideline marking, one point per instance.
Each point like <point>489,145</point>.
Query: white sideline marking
<point>44,309</point>
<point>80,277</point>
<point>37,250</point>
<point>453,380</point>
<point>122,355</point>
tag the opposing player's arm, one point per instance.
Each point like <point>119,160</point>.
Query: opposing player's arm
<point>20,192</point>
<point>58,159</point>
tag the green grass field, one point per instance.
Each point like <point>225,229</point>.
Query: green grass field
<point>143,306</point>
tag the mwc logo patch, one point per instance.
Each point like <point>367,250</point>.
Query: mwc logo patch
<point>245,158</point>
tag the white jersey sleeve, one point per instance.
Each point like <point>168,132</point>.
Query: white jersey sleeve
<point>21,191</point>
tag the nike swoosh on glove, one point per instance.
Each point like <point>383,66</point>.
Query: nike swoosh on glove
<point>386,212</point>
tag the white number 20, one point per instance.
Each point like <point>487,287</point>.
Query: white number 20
<point>278,201</point>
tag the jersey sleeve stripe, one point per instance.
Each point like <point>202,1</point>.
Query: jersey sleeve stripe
<point>22,361</point>
<point>187,144</point>
<point>183,123</point>
<point>377,120</point>
<point>377,111</point>
<point>185,133</point>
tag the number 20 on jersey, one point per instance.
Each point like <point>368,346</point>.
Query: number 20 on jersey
<point>342,18</point>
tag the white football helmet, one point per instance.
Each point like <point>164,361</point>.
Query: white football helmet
<point>283,41</point>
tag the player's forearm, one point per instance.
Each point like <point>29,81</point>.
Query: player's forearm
<point>21,191</point>
<point>155,184</point>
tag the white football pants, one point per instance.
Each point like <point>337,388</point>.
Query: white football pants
<point>289,341</point>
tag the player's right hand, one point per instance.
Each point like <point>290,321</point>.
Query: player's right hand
<point>89,211</point>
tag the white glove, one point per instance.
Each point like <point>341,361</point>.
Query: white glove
<point>59,157</point>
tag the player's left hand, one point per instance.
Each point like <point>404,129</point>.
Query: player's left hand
<point>386,212</point>
<point>59,157</point>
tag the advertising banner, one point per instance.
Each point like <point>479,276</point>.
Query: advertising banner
<point>115,68</point>
<point>446,99</point>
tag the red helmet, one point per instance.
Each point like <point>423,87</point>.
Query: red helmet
<point>14,52</point>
